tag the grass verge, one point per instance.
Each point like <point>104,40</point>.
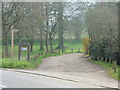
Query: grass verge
<point>108,68</point>
<point>24,64</point>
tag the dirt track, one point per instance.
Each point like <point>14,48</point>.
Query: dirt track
<point>76,65</point>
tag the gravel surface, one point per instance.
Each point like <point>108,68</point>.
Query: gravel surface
<point>78,66</point>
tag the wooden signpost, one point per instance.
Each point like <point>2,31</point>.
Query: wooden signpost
<point>24,47</point>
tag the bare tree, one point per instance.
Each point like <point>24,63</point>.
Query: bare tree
<point>9,19</point>
<point>60,26</point>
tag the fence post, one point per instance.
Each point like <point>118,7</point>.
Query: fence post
<point>59,51</point>
<point>19,52</point>
<point>78,50</point>
<point>98,58</point>
<point>41,53</point>
<point>71,50</point>
<point>114,66</point>
<point>106,60</point>
<point>64,50</point>
<point>28,53</point>
<point>3,55</point>
<point>52,51</point>
<point>110,61</point>
<point>115,69</point>
<point>102,59</point>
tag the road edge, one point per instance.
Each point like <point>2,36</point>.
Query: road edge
<point>51,76</point>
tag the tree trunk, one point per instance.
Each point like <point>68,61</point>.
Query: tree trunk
<point>61,43</point>
<point>47,42</point>
<point>60,26</point>
<point>51,47</point>
<point>6,46</point>
<point>119,32</point>
<point>77,35</point>
<point>47,25</point>
<point>41,40</point>
<point>41,30</point>
<point>5,37</point>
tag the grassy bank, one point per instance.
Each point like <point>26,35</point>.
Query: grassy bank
<point>22,64</point>
<point>108,68</point>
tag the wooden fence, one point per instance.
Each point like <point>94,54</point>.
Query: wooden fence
<point>55,52</point>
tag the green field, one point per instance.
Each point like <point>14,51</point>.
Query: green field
<point>69,44</point>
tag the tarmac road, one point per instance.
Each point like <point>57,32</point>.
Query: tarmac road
<point>11,79</point>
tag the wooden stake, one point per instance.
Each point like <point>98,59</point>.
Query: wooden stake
<point>71,50</point>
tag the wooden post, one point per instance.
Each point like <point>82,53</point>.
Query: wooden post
<point>59,51</point>
<point>52,52</point>
<point>110,61</point>
<point>12,43</point>
<point>71,50</point>
<point>64,50</point>
<point>3,54</point>
<point>102,59</point>
<point>19,51</point>
<point>78,50</point>
<point>114,66</point>
<point>97,58</point>
<point>106,60</point>
<point>28,52</point>
<point>41,53</point>
<point>46,52</point>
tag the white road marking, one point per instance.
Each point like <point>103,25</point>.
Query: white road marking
<point>3,86</point>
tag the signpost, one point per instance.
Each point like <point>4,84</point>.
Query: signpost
<point>12,41</point>
<point>24,47</point>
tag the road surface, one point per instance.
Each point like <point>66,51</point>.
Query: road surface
<point>12,79</point>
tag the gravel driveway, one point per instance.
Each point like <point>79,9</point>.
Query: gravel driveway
<point>77,66</point>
